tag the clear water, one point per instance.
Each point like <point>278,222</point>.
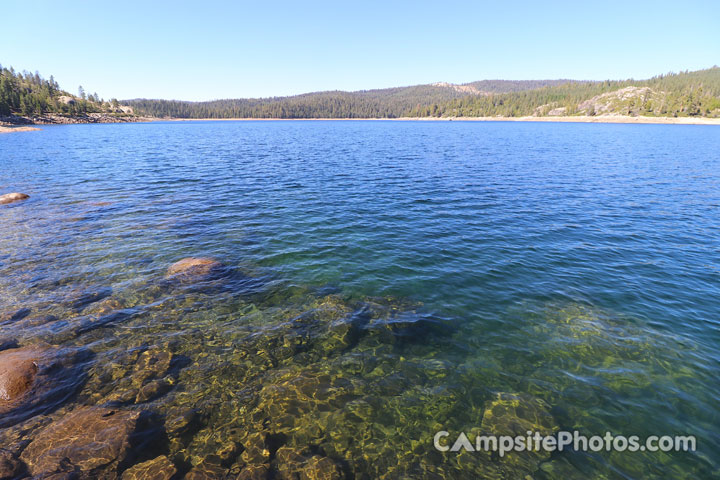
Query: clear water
<point>386,280</point>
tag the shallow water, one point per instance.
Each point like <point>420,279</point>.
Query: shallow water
<point>384,281</point>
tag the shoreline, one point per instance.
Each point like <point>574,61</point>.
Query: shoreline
<point>559,119</point>
<point>618,119</point>
<point>24,128</point>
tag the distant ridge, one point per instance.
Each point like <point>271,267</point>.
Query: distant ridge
<point>675,94</point>
<point>29,98</point>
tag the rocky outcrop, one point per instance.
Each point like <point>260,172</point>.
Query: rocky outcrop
<point>13,197</point>
<point>35,379</point>
<point>195,269</point>
<point>91,440</point>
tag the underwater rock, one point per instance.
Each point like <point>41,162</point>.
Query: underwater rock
<point>106,306</point>
<point>515,415</point>
<point>153,390</point>
<point>14,316</point>
<point>12,197</point>
<point>10,465</point>
<point>78,299</point>
<point>256,449</point>
<point>254,472</point>
<point>195,269</point>
<point>159,468</point>
<point>321,468</point>
<point>181,421</point>
<point>293,464</point>
<point>208,469</point>
<point>18,368</point>
<point>6,343</point>
<point>35,379</point>
<point>92,440</point>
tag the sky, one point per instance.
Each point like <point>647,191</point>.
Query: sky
<point>202,50</point>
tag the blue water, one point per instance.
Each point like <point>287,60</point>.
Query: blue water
<point>578,264</point>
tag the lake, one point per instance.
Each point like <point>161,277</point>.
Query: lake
<point>376,282</point>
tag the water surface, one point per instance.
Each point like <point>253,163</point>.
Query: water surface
<point>385,280</point>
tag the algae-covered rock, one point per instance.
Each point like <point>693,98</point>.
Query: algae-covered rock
<point>159,468</point>
<point>92,440</point>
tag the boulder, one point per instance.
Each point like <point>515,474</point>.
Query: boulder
<point>195,269</point>
<point>159,468</point>
<point>36,379</point>
<point>18,368</point>
<point>12,197</point>
<point>91,440</point>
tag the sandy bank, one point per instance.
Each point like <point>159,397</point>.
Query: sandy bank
<point>4,129</point>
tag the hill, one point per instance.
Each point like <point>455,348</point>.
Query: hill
<point>29,98</point>
<point>684,94</point>
<point>380,103</point>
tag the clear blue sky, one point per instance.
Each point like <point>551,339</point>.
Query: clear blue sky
<point>221,49</point>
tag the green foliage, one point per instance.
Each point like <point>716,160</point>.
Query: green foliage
<point>383,103</point>
<point>681,94</point>
<point>675,94</point>
<point>28,94</point>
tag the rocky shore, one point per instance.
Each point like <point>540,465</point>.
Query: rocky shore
<point>56,119</point>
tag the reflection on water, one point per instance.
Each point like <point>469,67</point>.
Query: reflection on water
<point>376,283</point>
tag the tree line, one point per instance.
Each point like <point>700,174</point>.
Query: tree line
<point>29,94</point>
<point>675,94</point>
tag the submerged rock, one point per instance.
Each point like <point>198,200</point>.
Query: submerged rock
<point>10,465</point>
<point>18,368</point>
<point>6,343</point>
<point>515,415</point>
<point>91,440</point>
<point>209,469</point>
<point>159,468</point>
<point>254,472</point>
<point>34,380</point>
<point>293,464</point>
<point>14,316</point>
<point>79,298</point>
<point>12,197</point>
<point>195,269</point>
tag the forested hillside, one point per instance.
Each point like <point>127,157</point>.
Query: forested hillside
<point>30,97</point>
<point>381,103</point>
<point>26,94</point>
<point>679,94</point>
